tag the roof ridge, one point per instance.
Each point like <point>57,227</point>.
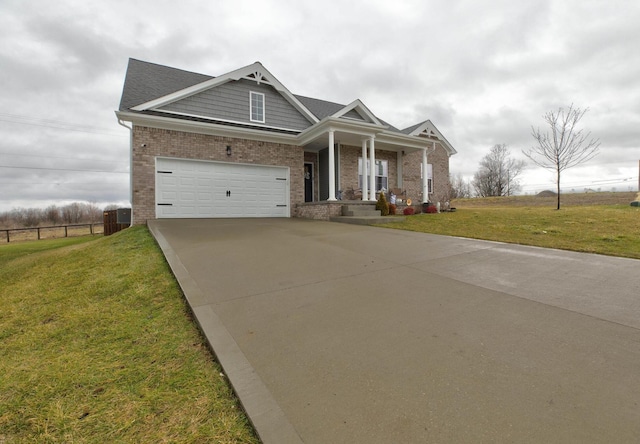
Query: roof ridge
<point>320,100</point>
<point>169,67</point>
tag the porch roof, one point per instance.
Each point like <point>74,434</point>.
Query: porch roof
<point>347,132</point>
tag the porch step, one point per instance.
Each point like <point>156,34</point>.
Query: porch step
<point>361,210</point>
<point>363,214</point>
<point>366,220</point>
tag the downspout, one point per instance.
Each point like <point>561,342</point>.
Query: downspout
<point>130,128</point>
<point>425,172</point>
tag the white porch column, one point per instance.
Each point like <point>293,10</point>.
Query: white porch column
<point>425,177</point>
<point>365,177</point>
<point>400,169</point>
<point>372,169</point>
<point>332,168</point>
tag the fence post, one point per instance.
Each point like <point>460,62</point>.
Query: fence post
<point>65,231</point>
<point>7,235</point>
<point>38,229</point>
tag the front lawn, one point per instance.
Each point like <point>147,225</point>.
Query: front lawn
<point>604,229</point>
<point>97,345</point>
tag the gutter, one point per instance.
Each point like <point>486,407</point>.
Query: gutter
<point>130,128</point>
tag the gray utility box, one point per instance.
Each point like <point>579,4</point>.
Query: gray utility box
<point>124,216</point>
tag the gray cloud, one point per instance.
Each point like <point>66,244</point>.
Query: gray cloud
<point>483,72</point>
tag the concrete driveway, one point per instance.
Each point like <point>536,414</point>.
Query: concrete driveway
<point>335,333</point>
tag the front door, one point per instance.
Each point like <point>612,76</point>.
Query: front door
<point>308,182</point>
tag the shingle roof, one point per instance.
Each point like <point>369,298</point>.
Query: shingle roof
<point>320,108</point>
<point>147,81</point>
<point>411,128</point>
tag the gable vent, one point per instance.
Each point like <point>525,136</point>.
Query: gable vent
<point>257,76</point>
<point>428,134</point>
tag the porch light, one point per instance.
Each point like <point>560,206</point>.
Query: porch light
<point>228,150</point>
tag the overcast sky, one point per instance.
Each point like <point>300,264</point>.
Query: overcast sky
<point>483,71</point>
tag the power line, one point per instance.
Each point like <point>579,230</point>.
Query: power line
<point>57,124</point>
<point>62,157</point>
<point>59,183</point>
<point>62,169</point>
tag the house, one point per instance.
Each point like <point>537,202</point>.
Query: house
<point>242,145</point>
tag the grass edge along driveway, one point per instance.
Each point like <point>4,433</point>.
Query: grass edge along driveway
<point>97,345</point>
<point>603,229</point>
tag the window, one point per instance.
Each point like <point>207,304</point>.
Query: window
<point>257,107</point>
<point>429,177</point>
<point>382,174</point>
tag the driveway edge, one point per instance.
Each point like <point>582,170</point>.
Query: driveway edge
<point>266,416</point>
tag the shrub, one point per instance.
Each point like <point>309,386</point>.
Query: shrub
<point>409,211</point>
<point>392,209</point>
<point>382,205</point>
<point>431,209</point>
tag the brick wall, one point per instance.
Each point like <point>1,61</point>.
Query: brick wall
<point>413,181</point>
<point>349,166</point>
<point>312,157</point>
<point>168,143</point>
<point>319,210</point>
<point>178,144</point>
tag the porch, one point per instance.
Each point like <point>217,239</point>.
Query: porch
<point>356,160</point>
<point>334,211</point>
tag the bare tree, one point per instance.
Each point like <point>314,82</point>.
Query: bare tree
<point>459,188</point>
<point>564,146</point>
<point>72,213</point>
<point>93,213</point>
<point>52,214</point>
<point>498,173</point>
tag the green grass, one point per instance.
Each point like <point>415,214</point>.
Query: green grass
<point>604,229</point>
<point>11,251</point>
<point>97,345</point>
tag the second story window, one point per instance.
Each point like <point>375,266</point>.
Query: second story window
<point>257,107</point>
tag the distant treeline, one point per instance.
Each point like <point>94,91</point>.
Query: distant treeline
<point>53,215</point>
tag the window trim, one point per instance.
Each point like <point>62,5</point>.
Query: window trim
<point>378,178</point>
<point>252,99</point>
<point>429,177</point>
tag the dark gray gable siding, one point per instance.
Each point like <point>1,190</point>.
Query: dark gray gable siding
<point>353,114</point>
<point>230,101</point>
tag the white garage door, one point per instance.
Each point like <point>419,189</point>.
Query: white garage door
<point>191,189</point>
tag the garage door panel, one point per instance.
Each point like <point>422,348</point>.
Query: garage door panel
<point>215,189</point>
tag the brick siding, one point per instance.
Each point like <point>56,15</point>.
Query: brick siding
<point>183,145</point>
<point>412,182</point>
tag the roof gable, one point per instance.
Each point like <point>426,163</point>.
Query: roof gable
<point>230,102</point>
<point>360,110</point>
<point>255,72</point>
<point>428,130</point>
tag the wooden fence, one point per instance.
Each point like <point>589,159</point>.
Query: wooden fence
<point>116,220</point>
<point>52,232</point>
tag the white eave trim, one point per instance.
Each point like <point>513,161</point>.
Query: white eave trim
<point>357,127</point>
<point>401,139</point>
<point>209,128</point>
<point>213,120</point>
<point>363,129</point>
<point>428,125</point>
